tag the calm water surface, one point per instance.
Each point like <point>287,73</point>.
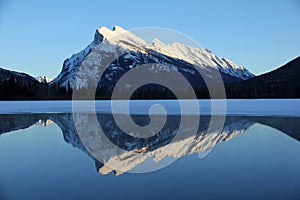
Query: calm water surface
<point>43,157</point>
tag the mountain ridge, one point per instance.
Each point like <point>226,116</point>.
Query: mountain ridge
<point>119,37</point>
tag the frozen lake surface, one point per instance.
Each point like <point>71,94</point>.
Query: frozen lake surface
<point>257,107</point>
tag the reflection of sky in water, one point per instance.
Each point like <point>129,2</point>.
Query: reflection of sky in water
<point>261,163</point>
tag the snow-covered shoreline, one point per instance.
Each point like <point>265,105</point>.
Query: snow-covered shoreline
<point>253,107</point>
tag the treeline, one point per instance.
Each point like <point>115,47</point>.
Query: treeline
<point>14,89</point>
<point>262,89</point>
<point>283,82</point>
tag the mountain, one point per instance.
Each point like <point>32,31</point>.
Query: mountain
<point>21,86</point>
<point>283,82</point>
<point>43,79</point>
<point>135,51</point>
<point>200,57</point>
<point>22,78</point>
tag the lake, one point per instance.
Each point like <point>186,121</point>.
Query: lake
<point>48,152</point>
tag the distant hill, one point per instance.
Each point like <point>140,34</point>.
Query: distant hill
<point>18,85</point>
<point>283,82</point>
<point>21,86</point>
<point>22,78</point>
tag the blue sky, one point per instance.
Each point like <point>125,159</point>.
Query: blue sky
<point>36,36</point>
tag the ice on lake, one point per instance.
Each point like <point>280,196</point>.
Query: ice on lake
<point>256,107</point>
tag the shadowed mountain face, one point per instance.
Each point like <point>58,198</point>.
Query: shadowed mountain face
<point>22,78</point>
<point>18,85</point>
<point>132,151</point>
<point>280,83</point>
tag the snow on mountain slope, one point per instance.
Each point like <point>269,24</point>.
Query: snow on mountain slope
<point>121,37</point>
<point>200,57</point>
<point>107,43</point>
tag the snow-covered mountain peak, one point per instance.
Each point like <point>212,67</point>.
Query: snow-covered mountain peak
<point>118,29</point>
<point>110,41</point>
<point>195,55</point>
<point>107,33</point>
<point>119,36</point>
<point>199,57</point>
<point>157,42</point>
<point>233,64</point>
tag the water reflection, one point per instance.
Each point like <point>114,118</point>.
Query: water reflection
<point>136,151</point>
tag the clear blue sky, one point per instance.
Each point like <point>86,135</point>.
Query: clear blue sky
<point>36,36</point>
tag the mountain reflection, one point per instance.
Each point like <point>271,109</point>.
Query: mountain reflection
<point>134,151</point>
